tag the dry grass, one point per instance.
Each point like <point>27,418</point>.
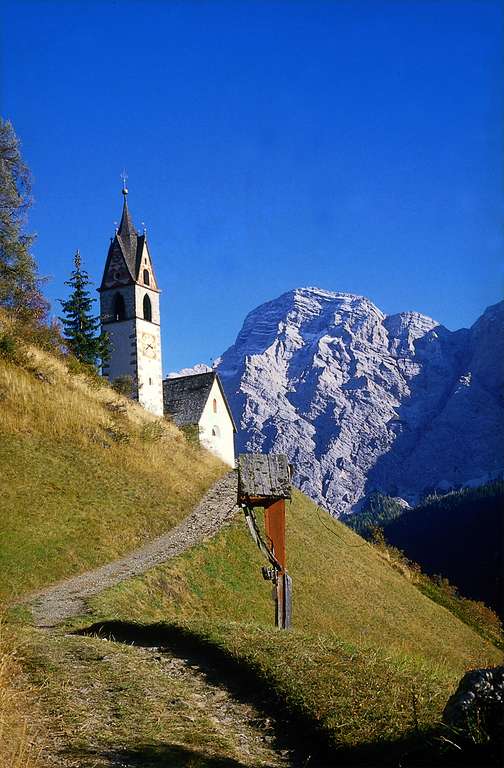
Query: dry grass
<point>112,704</point>
<point>86,474</point>
<point>21,739</point>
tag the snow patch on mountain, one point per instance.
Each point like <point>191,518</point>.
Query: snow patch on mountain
<point>198,368</point>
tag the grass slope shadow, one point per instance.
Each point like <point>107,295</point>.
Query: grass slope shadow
<point>295,731</point>
<point>156,756</point>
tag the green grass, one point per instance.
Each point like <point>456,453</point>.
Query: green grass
<point>341,585</point>
<point>355,697</point>
<point>370,661</point>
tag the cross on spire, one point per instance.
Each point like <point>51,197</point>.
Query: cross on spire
<point>124,177</point>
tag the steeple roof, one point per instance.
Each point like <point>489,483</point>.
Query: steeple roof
<point>128,244</point>
<point>127,237</point>
<point>126,227</point>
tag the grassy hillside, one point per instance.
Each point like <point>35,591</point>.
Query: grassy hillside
<point>369,663</point>
<point>341,585</point>
<point>86,475</point>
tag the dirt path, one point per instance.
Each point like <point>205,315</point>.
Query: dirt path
<point>209,718</point>
<point>127,702</point>
<point>53,605</point>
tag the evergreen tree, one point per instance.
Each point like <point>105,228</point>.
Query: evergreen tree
<point>80,326</point>
<point>19,283</point>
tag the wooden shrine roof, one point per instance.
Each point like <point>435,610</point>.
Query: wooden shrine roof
<point>263,476</point>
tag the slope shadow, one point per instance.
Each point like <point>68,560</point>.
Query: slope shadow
<point>293,732</point>
<point>303,738</point>
<point>153,756</point>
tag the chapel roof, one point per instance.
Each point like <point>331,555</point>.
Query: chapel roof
<point>185,397</point>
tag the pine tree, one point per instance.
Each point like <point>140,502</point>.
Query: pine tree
<point>80,326</point>
<point>19,282</point>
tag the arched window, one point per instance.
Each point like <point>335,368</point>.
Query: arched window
<point>146,277</point>
<point>147,309</point>
<point>215,431</point>
<point>119,309</point>
<point>214,405</point>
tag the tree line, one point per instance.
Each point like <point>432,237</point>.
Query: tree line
<point>21,296</point>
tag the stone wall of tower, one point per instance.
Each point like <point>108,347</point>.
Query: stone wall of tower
<point>107,299</point>
<point>140,292</point>
<point>149,366</point>
<point>135,343</point>
<point>123,346</point>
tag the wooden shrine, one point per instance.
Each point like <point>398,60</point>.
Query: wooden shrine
<point>264,480</point>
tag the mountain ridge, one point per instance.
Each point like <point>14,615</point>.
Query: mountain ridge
<point>363,401</point>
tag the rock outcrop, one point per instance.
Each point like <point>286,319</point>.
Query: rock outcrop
<point>362,401</point>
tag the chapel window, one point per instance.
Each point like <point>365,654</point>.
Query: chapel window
<point>147,309</point>
<point>146,277</point>
<point>215,431</point>
<point>214,405</point>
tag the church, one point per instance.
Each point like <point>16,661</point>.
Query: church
<point>130,314</point>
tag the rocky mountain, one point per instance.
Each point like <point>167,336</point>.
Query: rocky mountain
<point>363,401</point>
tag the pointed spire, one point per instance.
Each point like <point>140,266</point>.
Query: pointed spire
<point>126,227</point>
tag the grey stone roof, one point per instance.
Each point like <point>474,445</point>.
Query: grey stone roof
<point>127,237</point>
<point>130,245</point>
<point>185,397</point>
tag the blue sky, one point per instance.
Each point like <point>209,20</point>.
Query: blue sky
<point>355,145</point>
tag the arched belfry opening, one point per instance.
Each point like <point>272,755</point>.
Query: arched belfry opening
<point>147,309</point>
<point>146,277</point>
<point>119,308</point>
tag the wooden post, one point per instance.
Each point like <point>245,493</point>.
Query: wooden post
<point>265,481</point>
<point>274,524</point>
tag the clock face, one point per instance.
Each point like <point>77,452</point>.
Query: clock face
<point>149,345</point>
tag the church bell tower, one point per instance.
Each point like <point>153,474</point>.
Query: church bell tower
<point>129,311</point>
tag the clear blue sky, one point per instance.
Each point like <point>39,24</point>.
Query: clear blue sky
<point>353,145</point>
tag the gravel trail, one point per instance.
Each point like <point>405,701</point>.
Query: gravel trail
<point>53,605</point>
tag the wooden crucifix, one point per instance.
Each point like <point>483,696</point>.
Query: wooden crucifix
<point>264,480</point>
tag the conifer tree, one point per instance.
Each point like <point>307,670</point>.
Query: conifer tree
<point>80,326</point>
<point>19,282</point>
